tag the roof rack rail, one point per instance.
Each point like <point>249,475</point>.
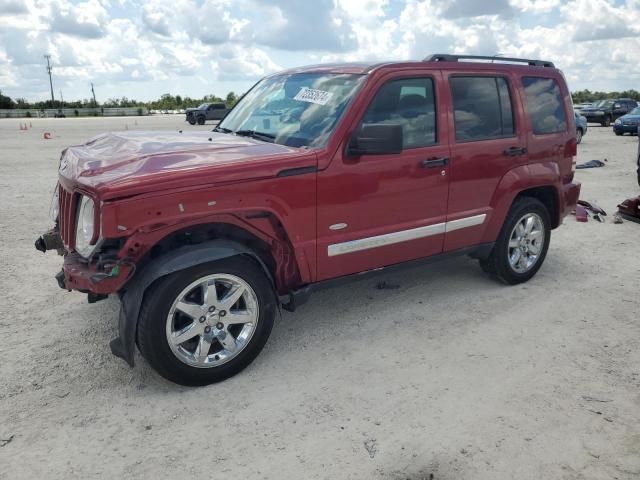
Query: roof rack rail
<point>444,57</point>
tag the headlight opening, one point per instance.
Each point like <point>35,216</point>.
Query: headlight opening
<point>85,226</point>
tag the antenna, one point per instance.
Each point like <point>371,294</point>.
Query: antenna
<point>48,57</point>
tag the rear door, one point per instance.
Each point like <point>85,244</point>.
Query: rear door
<point>487,140</point>
<point>378,210</point>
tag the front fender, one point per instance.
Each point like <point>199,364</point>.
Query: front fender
<point>182,258</point>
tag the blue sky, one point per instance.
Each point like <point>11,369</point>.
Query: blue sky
<point>142,49</point>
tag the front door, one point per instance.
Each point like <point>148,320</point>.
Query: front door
<point>378,210</point>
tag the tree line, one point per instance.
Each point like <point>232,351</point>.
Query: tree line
<point>177,102</point>
<point>165,102</point>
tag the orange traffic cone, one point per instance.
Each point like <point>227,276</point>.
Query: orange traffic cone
<point>30,126</point>
<point>47,135</point>
<point>126,126</point>
<point>21,126</point>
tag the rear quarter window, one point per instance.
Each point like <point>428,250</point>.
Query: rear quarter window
<point>545,106</point>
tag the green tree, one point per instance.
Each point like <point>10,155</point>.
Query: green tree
<point>6,102</point>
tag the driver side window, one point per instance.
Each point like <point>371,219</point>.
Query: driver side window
<point>408,102</point>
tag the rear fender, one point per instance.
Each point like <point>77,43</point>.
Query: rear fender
<point>174,261</point>
<point>513,183</point>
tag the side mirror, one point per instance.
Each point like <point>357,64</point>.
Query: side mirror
<point>380,139</point>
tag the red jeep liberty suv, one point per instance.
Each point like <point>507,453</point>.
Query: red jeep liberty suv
<point>317,175</point>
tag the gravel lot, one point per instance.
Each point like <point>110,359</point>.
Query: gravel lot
<point>449,375</point>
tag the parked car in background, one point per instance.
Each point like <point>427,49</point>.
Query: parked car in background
<point>206,111</point>
<point>628,123</point>
<point>205,234</point>
<point>578,107</point>
<point>605,112</point>
<point>581,127</point>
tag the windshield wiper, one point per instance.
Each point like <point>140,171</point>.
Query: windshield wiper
<point>265,137</point>
<point>222,130</point>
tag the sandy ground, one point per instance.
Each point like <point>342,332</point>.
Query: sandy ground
<point>450,375</point>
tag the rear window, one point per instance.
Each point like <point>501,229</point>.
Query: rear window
<point>482,108</point>
<point>544,105</point>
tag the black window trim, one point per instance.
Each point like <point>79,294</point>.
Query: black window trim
<point>513,110</point>
<point>435,106</point>
<point>526,105</point>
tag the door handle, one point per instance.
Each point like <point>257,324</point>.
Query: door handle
<point>515,151</point>
<point>434,162</point>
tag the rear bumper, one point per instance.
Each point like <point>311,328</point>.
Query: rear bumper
<point>570,196</point>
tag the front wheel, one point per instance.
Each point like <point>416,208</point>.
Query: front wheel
<point>522,244</point>
<point>607,121</point>
<point>578,135</point>
<point>207,323</point>
<point>191,120</point>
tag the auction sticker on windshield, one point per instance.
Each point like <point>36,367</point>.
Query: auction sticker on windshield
<point>310,95</point>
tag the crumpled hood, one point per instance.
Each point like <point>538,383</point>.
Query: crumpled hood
<point>137,161</point>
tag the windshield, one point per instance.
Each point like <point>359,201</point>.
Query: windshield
<point>635,111</point>
<point>300,109</point>
<point>602,103</point>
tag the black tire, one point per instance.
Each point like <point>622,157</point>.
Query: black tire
<point>201,120</point>
<point>607,121</point>
<point>619,134</point>
<point>152,324</point>
<point>191,120</point>
<point>578,136</point>
<point>497,264</point>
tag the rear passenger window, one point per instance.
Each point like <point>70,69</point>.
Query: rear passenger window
<point>545,105</point>
<point>482,108</point>
<point>409,102</point>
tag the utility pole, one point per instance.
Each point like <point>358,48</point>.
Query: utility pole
<point>48,57</point>
<point>95,104</point>
<point>61,100</point>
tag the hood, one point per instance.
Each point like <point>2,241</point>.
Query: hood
<point>628,116</point>
<point>193,109</point>
<point>128,163</point>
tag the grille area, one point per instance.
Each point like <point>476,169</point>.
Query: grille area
<point>67,216</point>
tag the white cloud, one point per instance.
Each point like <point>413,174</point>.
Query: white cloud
<point>201,46</point>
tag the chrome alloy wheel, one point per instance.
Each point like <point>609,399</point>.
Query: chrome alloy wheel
<point>526,242</point>
<point>212,320</point>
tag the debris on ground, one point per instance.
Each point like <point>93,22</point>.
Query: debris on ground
<point>594,399</point>
<point>630,209</point>
<point>370,447</point>
<point>617,218</point>
<point>581,214</point>
<point>592,164</point>
<point>384,285</point>
<point>6,441</point>
<point>593,207</point>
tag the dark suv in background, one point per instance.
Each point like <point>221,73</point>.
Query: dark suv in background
<point>206,111</point>
<point>605,112</point>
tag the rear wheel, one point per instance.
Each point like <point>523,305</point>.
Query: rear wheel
<point>200,120</point>
<point>207,323</point>
<point>619,133</point>
<point>522,244</point>
<point>606,122</point>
